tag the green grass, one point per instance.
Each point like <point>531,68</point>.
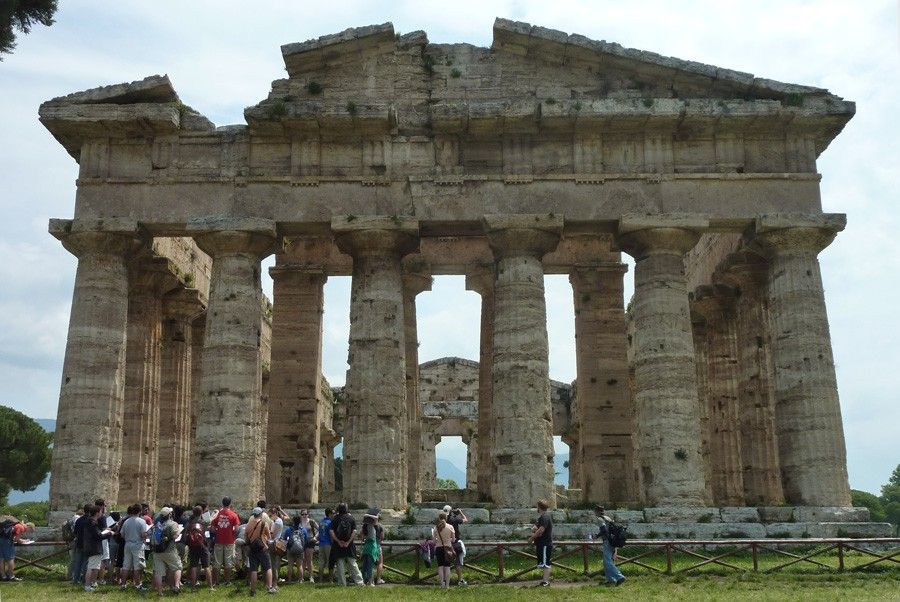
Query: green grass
<point>796,588</point>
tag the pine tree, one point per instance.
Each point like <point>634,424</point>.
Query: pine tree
<point>22,15</point>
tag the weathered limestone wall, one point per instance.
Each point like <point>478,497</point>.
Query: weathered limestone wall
<point>416,279</point>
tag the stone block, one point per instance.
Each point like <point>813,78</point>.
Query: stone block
<point>681,514</point>
<point>739,515</point>
<point>479,514</point>
<point>627,517</point>
<point>220,223</point>
<point>581,516</point>
<point>776,514</point>
<point>425,515</point>
<point>513,516</point>
<point>788,531</point>
<point>819,514</point>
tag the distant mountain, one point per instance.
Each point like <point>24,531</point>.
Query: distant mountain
<point>41,492</point>
<point>562,472</point>
<point>448,470</point>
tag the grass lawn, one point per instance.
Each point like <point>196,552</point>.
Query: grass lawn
<point>733,588</point>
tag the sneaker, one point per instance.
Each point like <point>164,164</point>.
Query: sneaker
<point>252,592</point>
<point>140,587</point>
<point>311,580</point>
<point>272,590</point>
<point>381,582</point>
<point>87,589</point>
<point>462,582</point>
<point>545,584</point>
<point>14,579</point>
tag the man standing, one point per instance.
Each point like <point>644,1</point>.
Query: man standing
<point>257,537</point>
<point>134,533</point>
<point>12,532</point>
<point>92,537</point>
<point>343,532</point>
<point>225,523</point>
<point>613,575</point>
<point>455,518</point>
<point>325,544</point>
<point>542,537</point>
<point>165,553</point>
<point>79,560</point>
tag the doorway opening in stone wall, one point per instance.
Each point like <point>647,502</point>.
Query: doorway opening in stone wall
<point>450,455</point>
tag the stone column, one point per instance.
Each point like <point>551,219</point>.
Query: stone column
<point>756,391</point>
<point>173,481</point>
<point>471,441</point>
<point>376,381</point>
<point>522,453</point>
<point>430,439</point>
<point>667,412</point>
<point>575,469</point>
<point>481,280</point>
<point>416,279</point>
<point>606,416</point>
<point>807,410</point>
<point>295,412</point>
<point>139,473</point>
<point>197,337</point>
<point>698,326</point>
<point>88,437</point>
<point>717,306</point>
<point>230,382</point>
<point>326,473</point>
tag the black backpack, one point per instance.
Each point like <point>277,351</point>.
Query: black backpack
<point>618,534</point>
<point>343,530</point>
<point>6,528</point>
<point>68,530</point>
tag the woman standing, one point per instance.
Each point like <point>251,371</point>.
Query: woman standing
<point>444,536</point>
<point>370,551</point>
<point>312,530</point>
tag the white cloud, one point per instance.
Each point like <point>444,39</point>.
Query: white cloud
<point>222,55</point>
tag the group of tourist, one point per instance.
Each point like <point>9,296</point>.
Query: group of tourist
<point>218,545</point>
<point>109,547</point>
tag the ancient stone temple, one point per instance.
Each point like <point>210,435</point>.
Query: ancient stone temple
<point>390,159</point>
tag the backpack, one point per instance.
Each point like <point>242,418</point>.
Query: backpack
<point>6,528</point>
<point>299,539</point>
<point>196,539</point>
<point>618,534</point>
<point>256,544</point>
<point>159,539</point>
<point>68,530</point>
<point>343,530</point>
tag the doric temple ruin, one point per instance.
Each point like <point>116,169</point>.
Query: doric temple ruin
<point>390,159</point>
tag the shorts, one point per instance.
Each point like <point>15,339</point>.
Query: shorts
<point>133,559</point>
<point>460,548</point>
<point>166,561</point>
<point>259,559</point>
<point>543,552</point>
<point>441,555</point>
<point>7,549</point>
<point>93,563</point>
<point>198,557</point>
<point>105,547</point>
<point>223,555</point>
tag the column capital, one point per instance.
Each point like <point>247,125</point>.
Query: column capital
<point>805,234</point>
<point>376,235</point>
<point>514,235</point>
<point>289,271</point>
<point>743,270</point>
<point>595,275</point>
<point>481,278</point>
<point>713,302</point>
<point>232,236</point>
<point>113,236</point>
<point>416,274</point>
<point>183,304</point>
<point>660,234</point>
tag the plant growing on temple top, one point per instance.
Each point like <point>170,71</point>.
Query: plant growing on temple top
<point>681,454</point>
<point>314,88</point>
<point>455,73</point>
<point>351,108</point>
<point>279,109</point>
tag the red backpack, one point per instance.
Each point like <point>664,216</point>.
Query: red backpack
<point>195,538</point>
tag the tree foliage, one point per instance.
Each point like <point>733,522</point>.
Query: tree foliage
<point>446,484</point>
<point>24,452</point>
<point>864,499</point>
<point>22,15</point>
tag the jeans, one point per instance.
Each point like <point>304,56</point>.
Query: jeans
<point>354,571</point>
<point>612,572</point>
<point>368,568</point>
<point>78,566</point>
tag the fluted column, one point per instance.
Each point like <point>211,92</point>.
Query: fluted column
<point>326,472</point>
<point>667,412</point>
<point>807,409</point>
<point>88,437</point>
<point>139,474</point>
<point>231,375</point>
<point>523,431</point>
<point>376,380</point>
<point>605,412</point>
<point>198,328</point>
<point>717,306</point>
<point>698,326</point>
<point>756,391</point>
<point>430,439</point>
<point>295,413</point>
<point>416,279</point>
<point>173,480</point>
<point>471,442</point>
<point>481,280</point>
<point>575,470</point>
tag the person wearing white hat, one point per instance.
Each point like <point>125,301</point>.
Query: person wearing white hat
<point>166,560</point>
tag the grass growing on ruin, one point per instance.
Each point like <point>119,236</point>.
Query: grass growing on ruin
<point>755,587</point>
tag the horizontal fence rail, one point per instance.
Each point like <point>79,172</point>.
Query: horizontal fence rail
<point>667,557</point>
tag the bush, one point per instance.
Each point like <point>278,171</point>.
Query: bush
<point>28,512</point>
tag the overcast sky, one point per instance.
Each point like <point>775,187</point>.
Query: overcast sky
<point>222,56</point>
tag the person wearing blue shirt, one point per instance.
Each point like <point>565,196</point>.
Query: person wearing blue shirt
<point>325,544</point>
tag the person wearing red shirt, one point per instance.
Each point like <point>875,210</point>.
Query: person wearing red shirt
<point>225,523</point>
<point>8,551</point>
